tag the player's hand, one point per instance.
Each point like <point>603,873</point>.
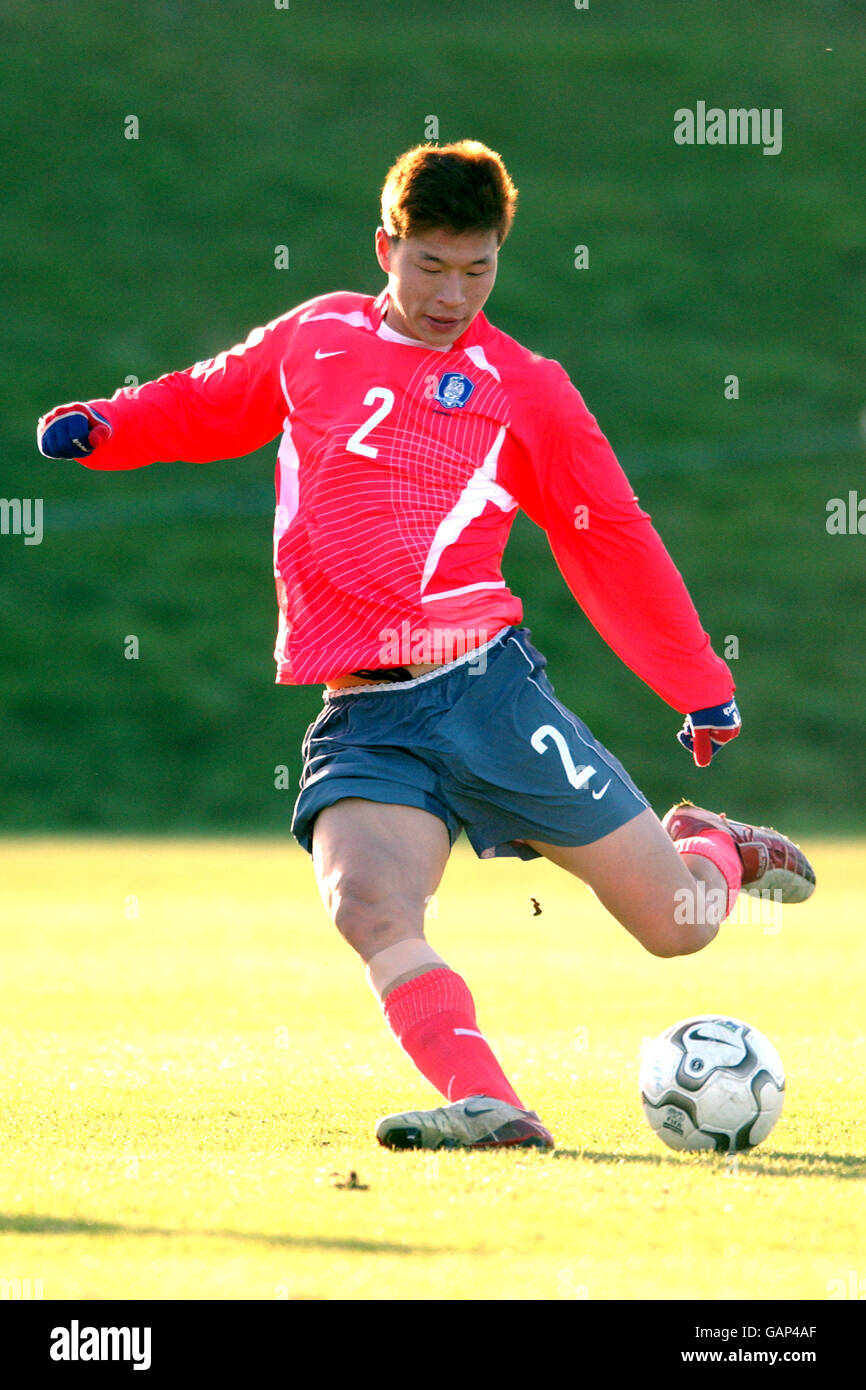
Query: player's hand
<point>71,431</point>
<point>708,730</point>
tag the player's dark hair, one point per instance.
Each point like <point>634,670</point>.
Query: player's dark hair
<point>462,187</point>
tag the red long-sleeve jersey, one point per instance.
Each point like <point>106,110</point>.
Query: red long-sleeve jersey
<point>399,473</point>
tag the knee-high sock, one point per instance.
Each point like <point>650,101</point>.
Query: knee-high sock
<point>433,1019</point>
<point>720,849</point>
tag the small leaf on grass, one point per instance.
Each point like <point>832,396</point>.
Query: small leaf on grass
<point>352,1183</point>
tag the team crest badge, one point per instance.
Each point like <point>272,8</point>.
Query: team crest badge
<point>454,389</point>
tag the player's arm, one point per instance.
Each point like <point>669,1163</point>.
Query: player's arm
<point>222,408</point>
<point>612,558</point>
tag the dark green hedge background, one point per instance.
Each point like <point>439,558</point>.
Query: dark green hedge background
<point>262,127</point>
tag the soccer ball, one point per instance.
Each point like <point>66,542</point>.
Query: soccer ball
<point>712,1083</point>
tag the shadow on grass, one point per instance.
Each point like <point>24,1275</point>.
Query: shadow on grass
<point>771,1161</point>
<point>78,1226</point>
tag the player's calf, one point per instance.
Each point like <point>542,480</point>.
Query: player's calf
<point>376,866</point>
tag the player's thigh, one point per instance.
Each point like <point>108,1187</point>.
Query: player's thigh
<point>637,874</point>
<point>377,865</point>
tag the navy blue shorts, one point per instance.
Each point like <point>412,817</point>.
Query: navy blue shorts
<point>482,743</point>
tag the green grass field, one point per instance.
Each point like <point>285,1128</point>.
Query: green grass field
<point>192,1065</point>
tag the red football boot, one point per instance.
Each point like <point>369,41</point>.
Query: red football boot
<point>771,863</point>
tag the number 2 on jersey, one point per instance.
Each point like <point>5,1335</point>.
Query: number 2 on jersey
<point>354,444</point>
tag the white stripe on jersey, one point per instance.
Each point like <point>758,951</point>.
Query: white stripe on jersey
<point>476,353</point>
<point>357,318</point>
<point>390,335</point>
<point>284,388</point>
<point>287,502</point>
<point>466,589</point>
<point>480,489</point>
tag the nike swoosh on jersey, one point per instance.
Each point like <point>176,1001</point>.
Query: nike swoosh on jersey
<point>320,354</point>
<point>598,795</point>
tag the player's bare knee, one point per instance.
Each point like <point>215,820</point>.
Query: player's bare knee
<point>369,917</point>
<point>680,941</point>
<point>666,937</point>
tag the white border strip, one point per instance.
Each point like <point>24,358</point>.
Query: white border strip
<point>395,686</point>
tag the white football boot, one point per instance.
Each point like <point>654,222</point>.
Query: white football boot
<point>478,1122</point>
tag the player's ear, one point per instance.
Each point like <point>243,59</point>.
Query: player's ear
<point>383,249</point>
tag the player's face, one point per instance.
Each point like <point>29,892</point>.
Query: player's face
<point>437,281</point>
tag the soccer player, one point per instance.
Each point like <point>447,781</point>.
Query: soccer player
<point>412,430</point>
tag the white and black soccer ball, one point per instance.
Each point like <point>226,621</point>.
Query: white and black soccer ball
<point>712,1083</point>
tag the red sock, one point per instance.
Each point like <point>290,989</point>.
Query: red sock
<point>719,848</point>
<point>433,1019</point>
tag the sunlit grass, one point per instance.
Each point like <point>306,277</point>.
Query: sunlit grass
<point>191,1067</point>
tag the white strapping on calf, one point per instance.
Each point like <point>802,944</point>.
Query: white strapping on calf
<point>388,965</point>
